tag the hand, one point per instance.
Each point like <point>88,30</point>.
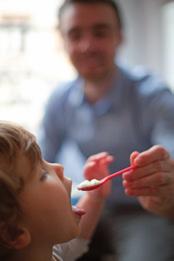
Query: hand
<point>152,181</point>
<point>93,202</point>
<point>96,167</point>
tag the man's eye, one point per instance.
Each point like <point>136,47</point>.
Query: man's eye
<point>100,33</point>
<point>74,35</point>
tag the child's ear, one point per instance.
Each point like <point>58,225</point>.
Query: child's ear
<point>22,240</point>
<point>18,240</point>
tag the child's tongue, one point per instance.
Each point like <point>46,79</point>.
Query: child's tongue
<point>78,211</point>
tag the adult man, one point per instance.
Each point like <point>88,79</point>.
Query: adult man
<point>109,109</point>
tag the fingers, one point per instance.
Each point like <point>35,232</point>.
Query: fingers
<point>158,167</point>
<point>133,156</point>
<point>156,153</point>
<point>100,160</point>
<point>152,181</point>
<point>97,165</point>
<point>103,156</point>
<point>154,172</point>
<point>149,182</point>
<point>146,191</point>
<point>148,177</point>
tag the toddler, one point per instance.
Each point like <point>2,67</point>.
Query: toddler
<point>37,221</point>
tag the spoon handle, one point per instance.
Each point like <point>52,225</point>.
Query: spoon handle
<point>120,172</point>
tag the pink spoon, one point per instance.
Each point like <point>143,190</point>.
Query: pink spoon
<point>97,183</point>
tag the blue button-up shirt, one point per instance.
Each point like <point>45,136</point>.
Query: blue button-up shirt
<point>137,113</point>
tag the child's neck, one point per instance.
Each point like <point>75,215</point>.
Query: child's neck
<point>34,254</point>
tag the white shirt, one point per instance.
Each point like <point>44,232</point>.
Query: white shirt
<point>71,250</point>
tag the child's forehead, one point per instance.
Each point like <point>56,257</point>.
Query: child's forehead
<point>33,164</point>
<point>17,173</point>
<point>26,169</point>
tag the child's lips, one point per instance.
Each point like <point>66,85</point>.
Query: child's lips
<point>78,211</point>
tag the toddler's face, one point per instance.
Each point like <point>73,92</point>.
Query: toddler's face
<point>46,204</point>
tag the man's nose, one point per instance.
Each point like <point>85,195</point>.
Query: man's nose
<point>87,43</point>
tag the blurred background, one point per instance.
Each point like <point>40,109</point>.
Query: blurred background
<point>33,62</point>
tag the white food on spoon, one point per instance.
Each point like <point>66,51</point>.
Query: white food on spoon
<point>88,183</point>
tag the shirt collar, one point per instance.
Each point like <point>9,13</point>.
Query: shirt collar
<point>113,100</point>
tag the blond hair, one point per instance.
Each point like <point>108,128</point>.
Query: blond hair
<point>15,142</point>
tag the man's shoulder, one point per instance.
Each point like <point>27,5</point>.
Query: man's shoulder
<point>136,74</point>
<point>64,94</point>
<point>144,81</point>
<point>64,88</point>
<point>62,91</point>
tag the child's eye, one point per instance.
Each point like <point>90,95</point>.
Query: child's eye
<point>43,176</point>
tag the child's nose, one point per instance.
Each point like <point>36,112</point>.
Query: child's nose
<point>59,169</point>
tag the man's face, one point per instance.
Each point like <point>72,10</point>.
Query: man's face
<point>91,37</point>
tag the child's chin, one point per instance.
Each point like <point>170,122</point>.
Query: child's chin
<point>75,233</point>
